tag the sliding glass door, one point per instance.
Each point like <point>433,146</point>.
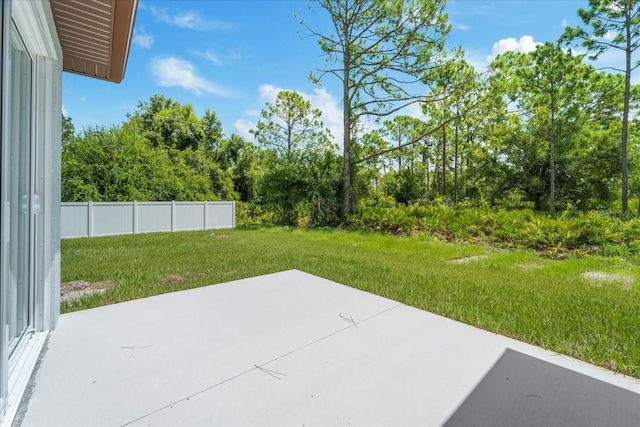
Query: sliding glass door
<point>5,23</point>
<point>17,207</point>
<point>18,197</point>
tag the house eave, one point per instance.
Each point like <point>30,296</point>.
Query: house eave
<point>95,36</point>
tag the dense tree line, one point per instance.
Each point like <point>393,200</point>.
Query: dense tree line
<point>164,151</point>
<point>544,129</point>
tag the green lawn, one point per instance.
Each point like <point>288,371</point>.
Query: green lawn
<point>516,293</point>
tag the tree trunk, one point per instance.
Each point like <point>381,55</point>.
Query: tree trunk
<point>346,150</point>
<point>425,173</point>
<point>467,162</point>
<point>411,162</point>
<point>289,139</point>
<point>399,151</point>
<point>444,161</point>
<point>552,155</point>
<point>625,115</point>
<point>455,169</point>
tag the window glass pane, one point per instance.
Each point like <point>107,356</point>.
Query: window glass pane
<point>16,203</point>
<point>4,374</point>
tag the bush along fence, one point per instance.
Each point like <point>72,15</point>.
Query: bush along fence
<point>89,219</point>
<point>580,233</point>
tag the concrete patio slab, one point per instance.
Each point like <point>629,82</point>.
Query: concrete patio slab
<point>294,349</point>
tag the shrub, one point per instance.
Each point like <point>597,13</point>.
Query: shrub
<point>570,231</point>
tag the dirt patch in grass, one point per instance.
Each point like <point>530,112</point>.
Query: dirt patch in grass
<point>600,278</point>
<point>468,259</point>
<point>77,289</point>
<point>173,278</point>
<point>219,236</point>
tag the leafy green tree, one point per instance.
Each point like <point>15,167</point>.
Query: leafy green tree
<point>291,124</point>
<point>515,137</point>
<point>119,164</point>
<point>403,132</point>
<point>211,129</point>
<point>208,181</point>
<point>324,175</point>
<point>380,51</point>
<point>456,95</point>
<point>114,164</point>
<point>198,177</point>
<point>634,160</point>
<point>614,24</point>
<point>246,164</point>
<point>550,88</point>
<point>594,166</point>
<point>165,122</point>
<point>400,132</point>
<point>297,182</point>
<point>375,167</point>
<point>68,130</point>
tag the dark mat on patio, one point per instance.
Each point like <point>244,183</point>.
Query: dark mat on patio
<point>521,390</point>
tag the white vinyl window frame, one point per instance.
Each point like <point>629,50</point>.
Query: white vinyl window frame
<point>34,23</point>
<point>5,25</point>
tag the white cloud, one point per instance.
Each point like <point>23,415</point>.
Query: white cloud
<point>142,39</point>
<point>171,72</point>
<point>331,111</point>
<point>268,92</point>
<point>477,59</point>
<point>189,20</point>
<point>243,127</point>
<point>219,60</point>
<point>460,26</point>
<point>64,111</point>
<point>236,55</point>
<point>413,110</point>
<point>193,21</point>
<point>526,44</point>
<point>160,14</point>
<point>211,57</point>
<point>564,23</point>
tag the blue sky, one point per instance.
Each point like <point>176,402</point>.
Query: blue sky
<point>232,56</point>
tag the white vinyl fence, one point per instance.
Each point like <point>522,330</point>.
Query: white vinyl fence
<point>109,218</point>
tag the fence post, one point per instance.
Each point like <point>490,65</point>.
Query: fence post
<point>233,214</point>
<point>206,215</point>
<point>90,219</point>
<point>173,216</point>
<point>135,217</point>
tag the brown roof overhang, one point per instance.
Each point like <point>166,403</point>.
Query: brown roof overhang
<point>95,36</point>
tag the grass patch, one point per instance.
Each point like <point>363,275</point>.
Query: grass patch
<point>518,293</point>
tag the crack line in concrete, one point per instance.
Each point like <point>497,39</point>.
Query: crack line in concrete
<point>269,372</point>
<point>259,367</point>
<point>348,319</point>
<point>133,348</point>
